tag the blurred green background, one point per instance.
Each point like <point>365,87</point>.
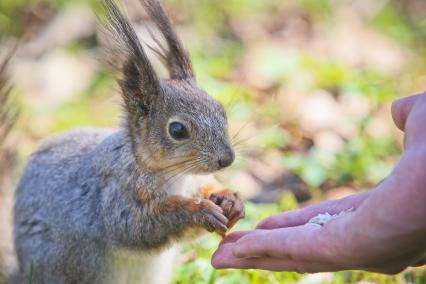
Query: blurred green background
<point>307,85</point>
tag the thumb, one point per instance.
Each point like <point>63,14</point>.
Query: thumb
<point>402,107</point>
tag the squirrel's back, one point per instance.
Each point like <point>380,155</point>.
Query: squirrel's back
<point>57,201</point>
<point>58,159</point>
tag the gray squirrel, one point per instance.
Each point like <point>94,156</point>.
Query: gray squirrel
<point>109,205</point>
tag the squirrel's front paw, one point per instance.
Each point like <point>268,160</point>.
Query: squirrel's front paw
<point>231,204</point>
<point>210,216</point>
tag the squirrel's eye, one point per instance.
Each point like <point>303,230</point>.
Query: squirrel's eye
<point>178,131</point>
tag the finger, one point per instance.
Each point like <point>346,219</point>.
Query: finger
<point>223,258</point>
<point>302,216</point>
<point>414,124</point>
<point>292,243</point>
<point>401,108</point>
<point>233,237</point>
<point>290,219</point>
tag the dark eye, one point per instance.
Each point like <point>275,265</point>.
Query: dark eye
<point>178,131</point>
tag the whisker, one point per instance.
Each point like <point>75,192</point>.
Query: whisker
<point>176,169</point>
<point>182,173</point>
<point>145,160</point>
<point>179,166</point>
<point>177,163</point>
<point>231,104</point>
<point>184,170</point>
<point>243,140</point>
<point>240,130</point>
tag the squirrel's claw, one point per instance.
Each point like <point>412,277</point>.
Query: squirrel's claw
<point>212,218</point>
<point>231,204</point>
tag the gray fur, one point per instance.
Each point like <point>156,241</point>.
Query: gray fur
<point>89,193</point>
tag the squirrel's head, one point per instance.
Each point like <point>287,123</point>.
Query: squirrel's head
<point>174,125</point>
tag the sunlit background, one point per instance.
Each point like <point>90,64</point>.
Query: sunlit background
<point>307,85</point>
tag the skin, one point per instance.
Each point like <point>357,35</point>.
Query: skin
<point>384,234</point>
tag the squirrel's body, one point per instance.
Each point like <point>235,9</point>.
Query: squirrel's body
<point>107,206</point>
<point>84,177</point>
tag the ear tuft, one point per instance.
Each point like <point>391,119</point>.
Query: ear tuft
<point>175,57</point>
<point>125,54</point>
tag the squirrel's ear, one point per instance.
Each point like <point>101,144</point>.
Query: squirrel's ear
<point>137,78</point>
<point>174,56</point>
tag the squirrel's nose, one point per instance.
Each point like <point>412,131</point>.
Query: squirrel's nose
<point>226,159</point>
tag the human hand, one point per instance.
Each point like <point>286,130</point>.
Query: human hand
<point>283,242</point>
<point>384,235</point>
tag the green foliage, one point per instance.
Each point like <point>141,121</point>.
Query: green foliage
<point>391,20</point>
<point>273,137</point>
<point>362,160</point>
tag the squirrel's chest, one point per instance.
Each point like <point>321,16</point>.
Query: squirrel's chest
<point>126,266</point>
<point>187,185</point>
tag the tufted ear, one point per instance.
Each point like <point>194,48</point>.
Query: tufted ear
<point>174,56</point>
<point>137,78</point>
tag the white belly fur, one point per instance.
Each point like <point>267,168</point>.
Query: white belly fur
<point>128,267</point>
<point>189,185</point>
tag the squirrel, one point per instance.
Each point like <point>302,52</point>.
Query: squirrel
<point>110,205</point>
